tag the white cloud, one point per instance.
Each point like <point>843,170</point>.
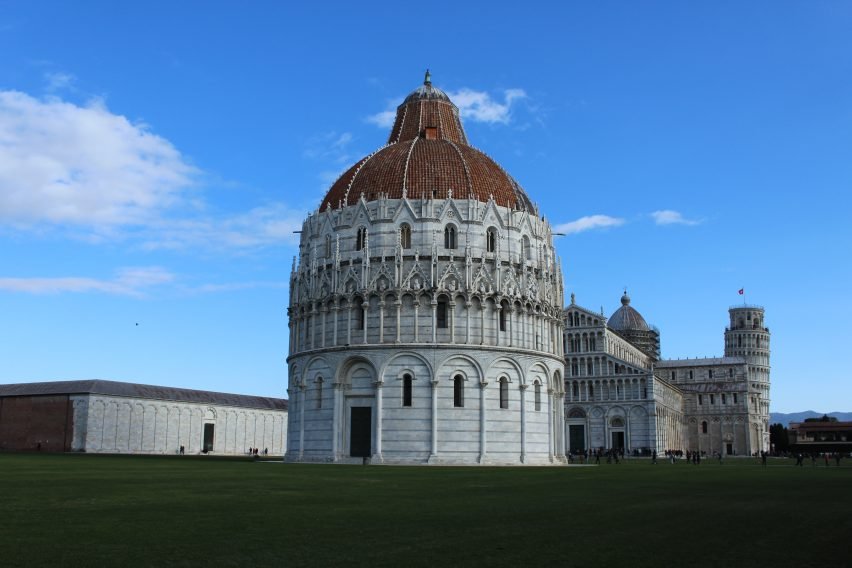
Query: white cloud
<point>669,217</point>
<point>82,165</point>
<point>127,282</point>
<point>57,80</point>
<point>588,223</point>
<point>476,106</point>
<point>383,119</point>
<point>329,146</point>
<point>270,225</point>
<point>480,107</point>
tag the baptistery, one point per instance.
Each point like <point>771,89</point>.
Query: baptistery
<point>425,308</point>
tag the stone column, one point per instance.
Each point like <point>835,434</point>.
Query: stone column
<point>627,442</point>
<point>434,304</point>
<point>335,421</point>
<point>467,306</point>
<point>298,333</point>
<point>560,422</point>
<point>366,307</point>
<point>377,455</point>
<point>523,389</point>
<point>434,453</point>
<point>416,320</point>
<point>398,305</point>
<point>483,420</point>
<point>301,421</point>
<point>510,315</point>
<point>381,321</point>
<point>482,323</point>
<point>349,324</point>
<point>550,425</point>
<point>312,326</point>
<point>497,309</point>
<point>336,310</point>
<point>451,307</point>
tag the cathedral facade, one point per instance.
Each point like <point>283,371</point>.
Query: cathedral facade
<point>427,326</point>
<point>621,394</point>
<point>426,308</point>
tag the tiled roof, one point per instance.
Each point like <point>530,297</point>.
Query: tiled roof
<point>427,169</point>
<point>133,390</point>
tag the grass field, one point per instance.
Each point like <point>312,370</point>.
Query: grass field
<point>78,510</point>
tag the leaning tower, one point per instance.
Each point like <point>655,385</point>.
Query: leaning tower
<point>747,337</point>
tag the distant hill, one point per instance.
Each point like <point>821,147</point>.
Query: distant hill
<point>785,419</point>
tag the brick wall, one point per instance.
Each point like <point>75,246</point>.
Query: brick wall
<point>27,421</point>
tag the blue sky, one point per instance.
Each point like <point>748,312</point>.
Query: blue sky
<point>155,158</point>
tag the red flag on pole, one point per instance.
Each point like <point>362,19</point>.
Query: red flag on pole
<point>742,292</point>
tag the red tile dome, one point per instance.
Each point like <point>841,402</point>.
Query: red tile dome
<point>427,156</point>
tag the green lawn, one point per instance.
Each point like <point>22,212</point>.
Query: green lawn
<point>78,510</point>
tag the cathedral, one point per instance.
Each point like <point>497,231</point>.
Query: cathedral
<point>427,326</point>
<point>621,394</point>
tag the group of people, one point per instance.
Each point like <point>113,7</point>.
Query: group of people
<point>586,456</point>
<point>256,453</point>
<point>827,456</point>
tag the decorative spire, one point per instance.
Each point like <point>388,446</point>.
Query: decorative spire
<point>427,80</point>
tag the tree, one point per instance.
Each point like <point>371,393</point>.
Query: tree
<point>778,437</point>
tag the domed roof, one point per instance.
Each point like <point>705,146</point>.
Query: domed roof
<point>427,92</point>
<point>626,318</point>
<point>427,156</point>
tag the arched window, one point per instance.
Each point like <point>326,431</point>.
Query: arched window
<point>361,238</point>
<point>712,399</point>
<point>449,237</point>
<point>491,240</point>
<point>735,398</point>
<point>730,372</point>
<point>704,427</point>
<point>503,307</point>
<point>537,391</point>
<point>458,391</point>
<point>710,373</point>
<point>359,313</point>
<point>406,389</point>
<point>724,400</point>
<point>319,392</point>
<point>441,313</point>
<point>328,246</point>
<point>739,341</point>
<point>405,235</point>
<point>504,392</point>
<point>576,389</point>
<point>592,392</point>
<point>527,248</point>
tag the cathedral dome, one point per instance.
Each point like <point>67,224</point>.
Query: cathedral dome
<point>627,318</point>
<point>427,156</point>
